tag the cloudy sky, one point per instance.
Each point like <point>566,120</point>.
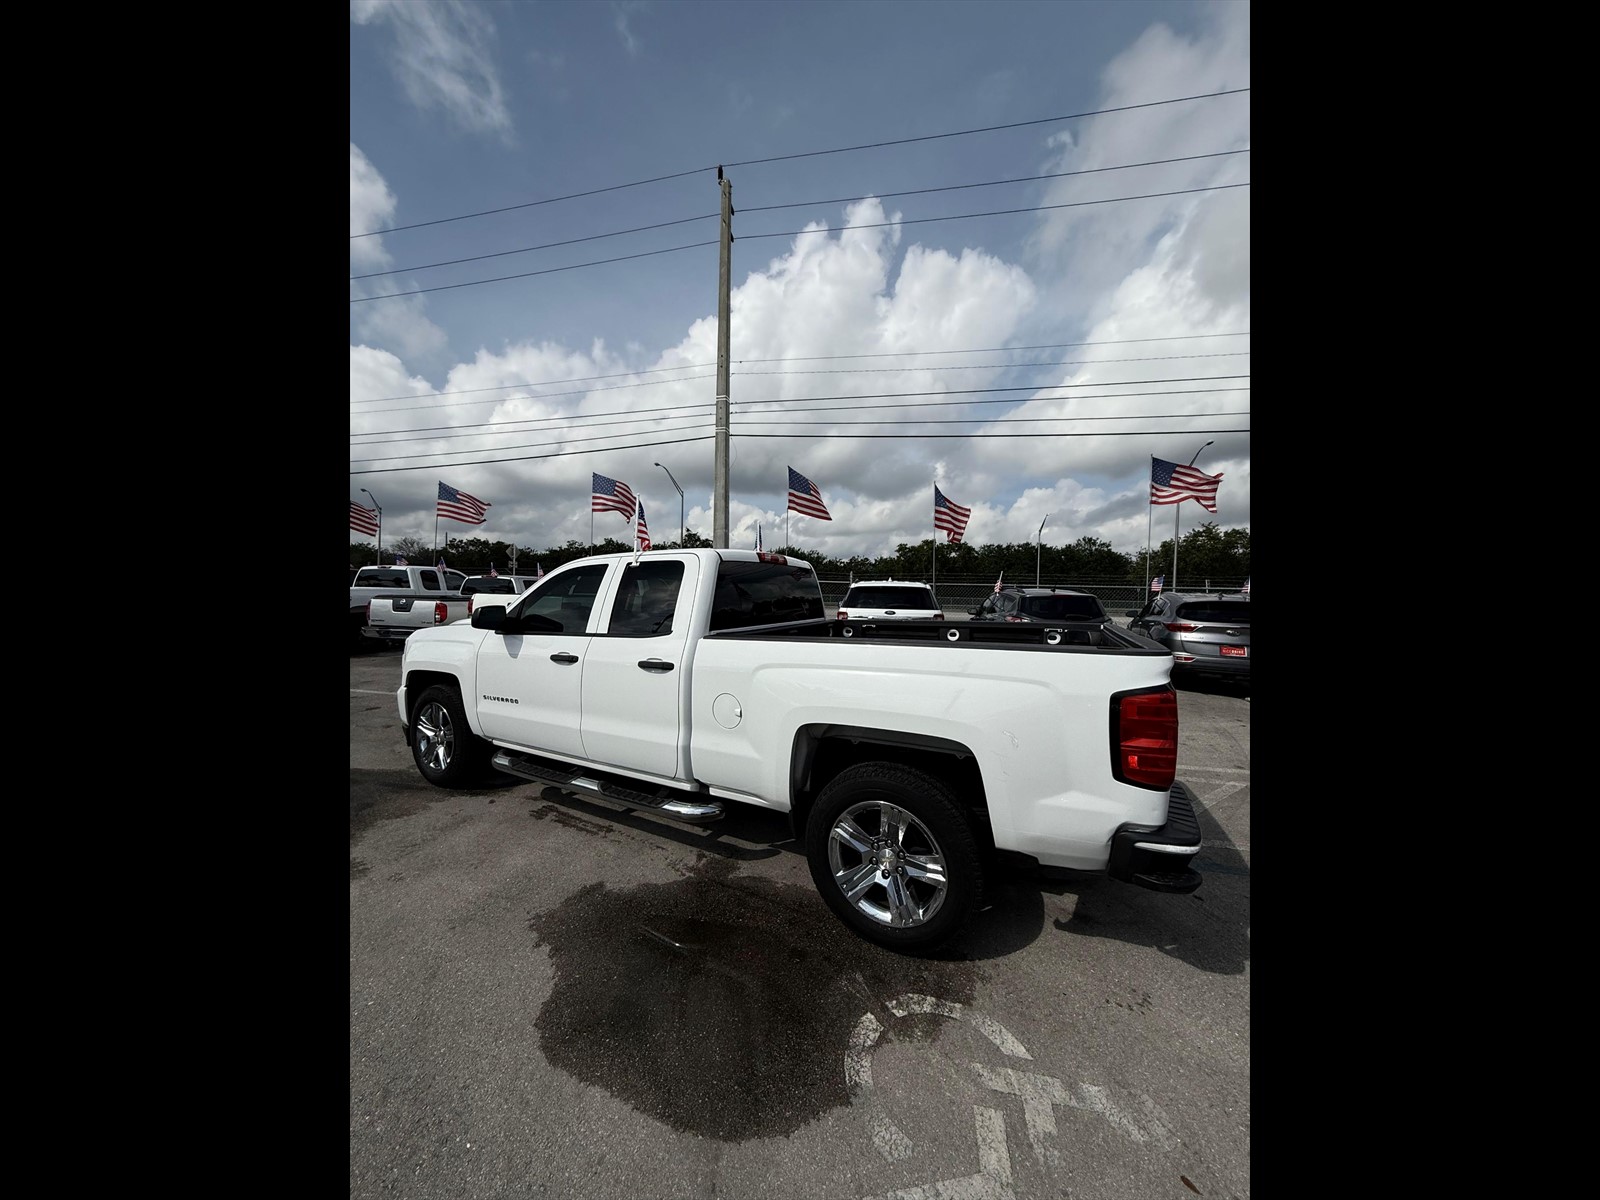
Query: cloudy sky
<point>1029,361</point>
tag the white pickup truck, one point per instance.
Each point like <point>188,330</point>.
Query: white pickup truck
<point>399,584</point>
<point>916,759</point>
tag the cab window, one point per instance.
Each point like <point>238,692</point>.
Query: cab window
<point>567,598</point>
<point>646,600</point>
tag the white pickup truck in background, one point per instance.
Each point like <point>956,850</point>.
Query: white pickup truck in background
<point>916,759</point>
<point>399,583</point>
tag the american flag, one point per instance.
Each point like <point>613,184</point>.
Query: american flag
<point>1157,582</point>
<point>1246,588</point>
<point>640,531</point>
<point>441,562</point>
<point>997,582</point>
<point>611,495</point>
<point>951,518</point>
<point>1173,483</point>
<point>400,561</point>
<point>493,574</point>
<point>363,519</point>
<point>804,497</point>
<point>458,506</point>
<point>538,570</point>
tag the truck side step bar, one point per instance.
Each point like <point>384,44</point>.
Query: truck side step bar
<point>525,766</point>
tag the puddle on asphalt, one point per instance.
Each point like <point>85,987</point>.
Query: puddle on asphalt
<point>719,1004</point>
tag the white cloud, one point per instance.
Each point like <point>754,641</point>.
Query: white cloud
<point>443,57</point>
<point>400,324</point>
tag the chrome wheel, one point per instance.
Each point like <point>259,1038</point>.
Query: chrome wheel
<point>887,864</point>
<point>436,737</point>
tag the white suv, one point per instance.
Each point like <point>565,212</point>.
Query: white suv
<point>889,600</point>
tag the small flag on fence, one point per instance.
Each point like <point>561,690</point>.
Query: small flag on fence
<point>1157,582</point>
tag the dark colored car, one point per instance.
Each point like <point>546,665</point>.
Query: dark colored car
<point>1041,605</point>
<point>1208,635</point>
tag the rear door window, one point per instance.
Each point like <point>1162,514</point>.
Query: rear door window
<point>763,593</point>
<point>646,600</point>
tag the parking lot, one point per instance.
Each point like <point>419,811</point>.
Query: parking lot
<point>551,996</point>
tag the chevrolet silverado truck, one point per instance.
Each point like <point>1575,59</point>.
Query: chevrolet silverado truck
<point>397,583</point>
<point>916,760</point>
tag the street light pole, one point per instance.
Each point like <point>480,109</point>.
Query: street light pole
<point>1038,550</point>
<point>680,506</point>
<point>1176,509</point>
<point>379,507</point>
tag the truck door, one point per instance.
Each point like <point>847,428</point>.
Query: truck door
<point>634,678</point>
<point>530,685</point>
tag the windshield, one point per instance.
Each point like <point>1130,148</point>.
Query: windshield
<point>888,597</point>
<point>1064,608</point>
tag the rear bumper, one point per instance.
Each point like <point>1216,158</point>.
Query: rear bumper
<point>1219,668</point>
<point>386,633</point>
<point>1159,858</point>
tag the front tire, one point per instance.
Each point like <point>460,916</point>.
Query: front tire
<point>445,749</point>
<point>893,856</point>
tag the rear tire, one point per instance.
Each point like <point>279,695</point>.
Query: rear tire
<point>893,856</point>
<point>445,749</point>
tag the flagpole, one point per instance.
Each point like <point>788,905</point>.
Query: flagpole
<point>1149,521</point>
<point>379,507</point>
<point>1176,509</point>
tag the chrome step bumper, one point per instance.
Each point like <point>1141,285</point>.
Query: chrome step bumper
<point>606,787</point>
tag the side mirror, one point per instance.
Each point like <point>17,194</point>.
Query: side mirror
<point>491,616</point>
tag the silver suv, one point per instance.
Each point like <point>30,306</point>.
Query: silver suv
<point>1208,635</point>
<point>889,600</point>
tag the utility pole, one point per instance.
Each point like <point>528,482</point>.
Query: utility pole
<point>719,501</point>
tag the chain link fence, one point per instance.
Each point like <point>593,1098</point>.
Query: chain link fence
<point>959,594</point>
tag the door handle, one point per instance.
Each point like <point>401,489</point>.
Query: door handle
<point>654,664</point>
<point>563,657</point>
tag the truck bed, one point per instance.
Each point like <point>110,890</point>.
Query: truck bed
<point>1068,635</point>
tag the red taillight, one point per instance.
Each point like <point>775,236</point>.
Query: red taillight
<point>441,612</point>
<point>938,616</point>
<point>369,612</point>
<point>469,606</point>
<point>1180,627</point>
<point>843,616</point>
<point>1145,740</point>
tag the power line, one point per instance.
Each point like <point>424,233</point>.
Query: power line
<point>526,274</point>
<point>1008,420</point>
<point>956,187</point>
<point>1002,212</point>
<point>528,249</point>
<point>799,232</point>
<point>750,162</point>
<point>616,187</point>
<point>1182,337</point>
<point>490,462</point>
<point>560,441</point>
<point>500,387</point>
<point>1070,362</point>
<point>387,437</point>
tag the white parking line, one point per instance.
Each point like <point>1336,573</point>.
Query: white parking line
<point>993,1180</point>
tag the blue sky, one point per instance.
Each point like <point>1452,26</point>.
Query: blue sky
<point>463,109</point>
